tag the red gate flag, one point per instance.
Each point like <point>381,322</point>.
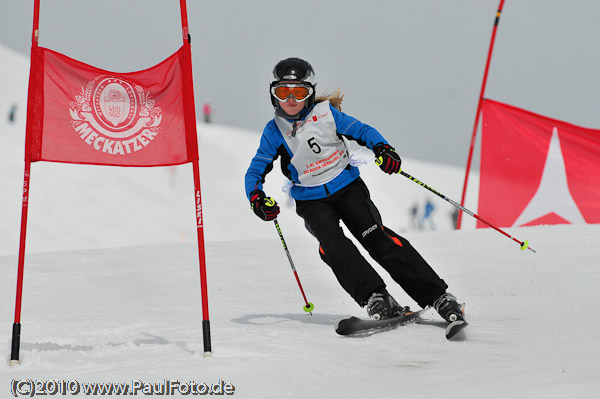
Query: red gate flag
<point>536,170</point>
<point>85,115</point>
<point>77,113</point>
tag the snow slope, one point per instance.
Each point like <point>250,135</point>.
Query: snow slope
<point>112,289</point>
<point>118,315</point>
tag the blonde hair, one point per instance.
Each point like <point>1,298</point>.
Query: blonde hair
<point>335,98</point>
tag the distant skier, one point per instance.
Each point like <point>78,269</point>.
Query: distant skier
<point>454,217</point>
<point>428,215</point>
<point>415,221</point>
<point>307,133</point>
<point>12,114</point>
<point>207,112</point>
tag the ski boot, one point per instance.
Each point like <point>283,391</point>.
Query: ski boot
<point>381,306</point>
<point>449,308</point>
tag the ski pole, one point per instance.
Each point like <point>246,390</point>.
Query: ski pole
<point>524,244</point>
<point>309,306</point>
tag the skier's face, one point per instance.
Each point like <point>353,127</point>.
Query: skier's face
<point>291,106</point>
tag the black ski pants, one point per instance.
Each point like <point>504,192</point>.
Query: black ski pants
<point>353,206</point>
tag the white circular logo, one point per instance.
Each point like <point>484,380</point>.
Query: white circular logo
<point>115,116</point>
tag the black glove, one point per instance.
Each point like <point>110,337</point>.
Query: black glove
<point>387,158</point>
<point>264,207</point>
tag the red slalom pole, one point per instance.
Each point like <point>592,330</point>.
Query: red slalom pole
<point>309,306</point>
<point>16,331</point>
<point>481,94</point>
<point>189,97</point>
<point>202,262</point>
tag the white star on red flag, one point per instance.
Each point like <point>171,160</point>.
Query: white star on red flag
<point>552,197</point>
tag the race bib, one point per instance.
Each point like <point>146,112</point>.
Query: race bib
<point>319,154</point>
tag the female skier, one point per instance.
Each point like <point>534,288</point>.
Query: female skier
<point>309,135</point>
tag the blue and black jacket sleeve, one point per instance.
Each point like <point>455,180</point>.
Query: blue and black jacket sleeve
<point>270,148</point>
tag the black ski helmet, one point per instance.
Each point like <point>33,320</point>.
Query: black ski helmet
<point>293,69</point>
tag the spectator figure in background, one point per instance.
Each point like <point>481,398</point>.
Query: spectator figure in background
<point>415,222</point>
<point>12,114</point>
<point>454,216</point>
<point>427,215</point>
<point>207,112</point>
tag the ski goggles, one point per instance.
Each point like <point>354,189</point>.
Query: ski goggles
<point>284,91</point>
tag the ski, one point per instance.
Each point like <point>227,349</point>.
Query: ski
<point>454,328</point>
<point>352,325</point>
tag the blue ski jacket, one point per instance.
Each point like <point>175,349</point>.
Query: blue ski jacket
<point>273,145</point>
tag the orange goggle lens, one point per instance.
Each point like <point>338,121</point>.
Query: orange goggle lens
<point>299,92</point>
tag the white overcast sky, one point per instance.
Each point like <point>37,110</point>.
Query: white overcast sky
<point>412,69</point>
